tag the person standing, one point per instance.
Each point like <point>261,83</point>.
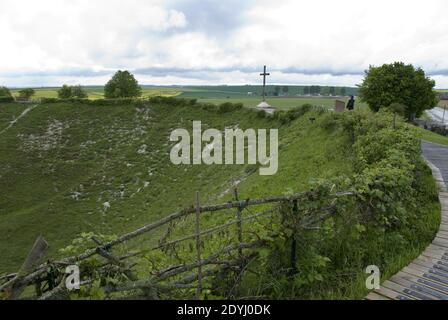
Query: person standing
<point>351,103</point>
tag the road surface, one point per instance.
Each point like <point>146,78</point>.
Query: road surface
<point>437,114</point>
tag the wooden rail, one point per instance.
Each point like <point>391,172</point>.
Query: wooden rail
<point>14,284</point>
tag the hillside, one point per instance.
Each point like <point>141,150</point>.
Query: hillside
<point>62,162</point>
<point>73,169</point>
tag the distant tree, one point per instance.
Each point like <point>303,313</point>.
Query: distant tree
<point>398,83</point>
<point>5,95</point>
<point>26,93</point>
<point>315,90</point>
<point>65,92</point>
<point>325,91</point>
<point>332,91</point>
<point>285,90</point>
<point>277,90</point>
<point>122,85</point>
<point>78,92</point>
<point>306,90</point>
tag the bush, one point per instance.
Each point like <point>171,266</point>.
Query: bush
<point>401,84</point>
<point>72,92</point>
<point>122,85</point>
<point>229,107</point>
<point>5,95</point>
<point>388,215</point>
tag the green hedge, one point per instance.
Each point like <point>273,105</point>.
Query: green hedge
<point>390,220</point>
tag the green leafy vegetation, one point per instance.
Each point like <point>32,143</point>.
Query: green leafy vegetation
<point>5,95</point>
<point>26,93</point>
<point>122,85</point>
<point>398,83</point>
<point>72,92</point>
<point>74,169</point>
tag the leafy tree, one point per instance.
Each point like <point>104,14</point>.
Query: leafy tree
<point>122,85</point>
<point>315,90</point>
<point>398,83</point>
<point>26,93</point>
<point>306,90</point>
<point>285,90</point>
<point>5,95</point>
<point>277,90</point>
<point>343,91</point>
<point>78,92</point>
<point>65,92</point>
<point>332,91</point>
<point>397,109</point>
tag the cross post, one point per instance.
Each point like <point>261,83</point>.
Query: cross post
<point>264,74</point>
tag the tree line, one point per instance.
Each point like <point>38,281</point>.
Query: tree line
<point>401,88</point>
<point>122,85</point>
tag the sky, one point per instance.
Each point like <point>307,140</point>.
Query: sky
<point>209,42</point>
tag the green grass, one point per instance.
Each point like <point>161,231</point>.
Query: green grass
<point>281,103</point>
<point>97,92</point>
<point>431,136</point>
<point>9,112</point>
<point>61,162</point>
<point>60,150</point>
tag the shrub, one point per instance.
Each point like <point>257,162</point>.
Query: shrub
<point>5,95</point>
<point>229,107</point>
<point>122,85</point>
<point>401,84</point>
<point>387,215</point>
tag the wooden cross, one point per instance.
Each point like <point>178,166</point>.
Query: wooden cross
<point>264,74</point>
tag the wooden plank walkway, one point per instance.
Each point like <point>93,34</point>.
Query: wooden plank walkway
<point>426,278</point>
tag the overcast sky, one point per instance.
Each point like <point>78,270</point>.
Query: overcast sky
<point>51,42</point>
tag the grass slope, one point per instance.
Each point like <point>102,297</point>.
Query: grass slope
<point>62,162</point>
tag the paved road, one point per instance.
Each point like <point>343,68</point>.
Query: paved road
<point>425,278</point>
<point>437,114</point>
<point>438,156</point>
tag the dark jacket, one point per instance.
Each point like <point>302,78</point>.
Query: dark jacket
<point>351,104</point>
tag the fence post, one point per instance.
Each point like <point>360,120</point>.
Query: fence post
<point>198,247</point>
<point>239,224</point>
<point>295,211</point>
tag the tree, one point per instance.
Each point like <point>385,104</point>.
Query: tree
<point>306,91</point>
<point>315,90</point>
<point>277,91</point>
<point>396,109</point>
<point>65,92</point>
<point>26,93</point>
<point>332,91</point>
<point>78,92</point>
<point>398,83</point>
<point>343,91</point>
<point>122,85</point>
<point>5,95</point>
<point>68,92</point>
<point>285,90</point>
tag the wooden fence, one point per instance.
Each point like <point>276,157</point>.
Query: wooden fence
<point>49,278</point>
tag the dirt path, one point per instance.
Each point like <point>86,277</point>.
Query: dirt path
<point>24,113</point>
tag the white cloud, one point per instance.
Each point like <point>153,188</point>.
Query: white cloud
<point>322,40</point>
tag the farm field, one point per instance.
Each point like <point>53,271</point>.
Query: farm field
<point>282,103</point>
<point>214,95</point>
<point>97,92</point>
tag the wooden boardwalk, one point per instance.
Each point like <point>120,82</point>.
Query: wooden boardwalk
<point>426,278</point>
